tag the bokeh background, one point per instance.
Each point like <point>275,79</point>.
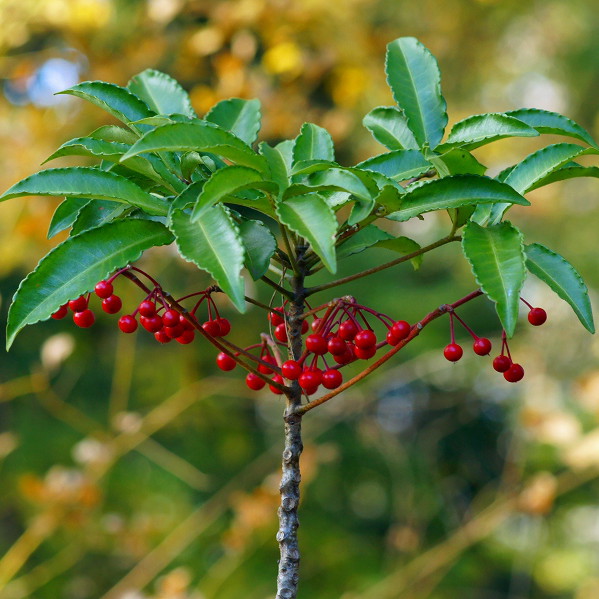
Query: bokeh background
<point>131,470</point>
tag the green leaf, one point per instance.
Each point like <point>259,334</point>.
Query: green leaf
<point>88,146</point>
<point>461,162</point>
<point>227,181</point>
<point>563,278</point>
<point>345,179</point>
<point>453,192</point>
<point>114,133</point>
<point>313,143</point>
<point>240,117</point>
<point>398,165</point>
<point>96,213</point>
<point>402,245</point>
<point>415,81</point>
<point>310,217</point>
<point>567,172</point>
<point>277,165</point>
<point>116,100</point>
<point>213,244</point>
<point>188,196</point>
<point>365,238</point>
<point>496,256</point>
<point>389,127</point>
<point>76,265</point>
<point>545,121</point>
<point>65,214</point>
<point>86,182</point>
<point>259,244</point>
<point>162,93</point>
<point>198,136</point>
<point>307,167</point>
<point>481,129</point>
<point>389,199</point>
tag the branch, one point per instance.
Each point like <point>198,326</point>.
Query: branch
<point>276,286</point>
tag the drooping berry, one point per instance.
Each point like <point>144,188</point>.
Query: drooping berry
<point>61,312</point>
<point>281,333</point>
<point>276,316</point>
<point>316,344</point>
<point>127,323</point>
<point>536,317</point>
<point>152,324</point>
<point>391,338</point>
<point>103,289</point>
<point>225,362</point>
<point>265,369</point>
<point>310,390</point>
<point>347,330</point>
<point>225,326</point>
<point>277,379</point>
<point>254,382</point>
<point>365,353</point>
<point>170,318</point>
<point>501,363</point>
<point>453,352</point>
<point>84,319</point>
<point>365,339</point>
<point>331,379</point>
<point>112,304</point>
<point>79,304</point>
<point>162,337</point>
<point>316,324</point>
<point>401,329</point>
<point>514,373</point>
<point>212,328</point>
<point>310,379</point>
<point>337,346</point>
<point>482,346</point>
<point>291,370</point>
<point>305,326</point>
<point>186,337</point>
<point>176,331</point>
<point>147,308</point>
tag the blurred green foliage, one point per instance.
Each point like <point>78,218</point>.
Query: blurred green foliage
<point>131,470</point>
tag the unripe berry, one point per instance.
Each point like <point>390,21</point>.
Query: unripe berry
<point>212,328</point>
<point>276,316</point>
<point>152,324</point>
<point>365,353</point>
<point>281,333</point>
<point>186,337</point>
<point>127,323</point>
<point>453,352</point>
<point>331,379</point>
<point>162,337</point>
<point>61,312</point>
<point>400,329</point>
<point>291,370</point>
<point>225,326</point>
<point>265,369</point>
<point>254,382</point>
<point>112,304</point>
<point>501,363</point>
<point>277,379</point>
<point>225,362</point>
<point>347,330</point>
<point>147,308</point>
<point>365,339</point>
<point>482,346</point>
<point>316,344</point>
<point>84,319</point>
<point>337,346</point>
<point>79,304</point>
<point>536,317</point>
<point>514,373</point>
<point>104,289</point>
<point>170,318</point>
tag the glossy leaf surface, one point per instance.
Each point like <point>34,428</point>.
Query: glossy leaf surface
<point>259,244</point>
<point>313,143</point>
<point>240,117</point>
<point>162,93</point>
<point>389,126</point>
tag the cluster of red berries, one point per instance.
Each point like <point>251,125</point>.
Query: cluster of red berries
<point>512,372</point>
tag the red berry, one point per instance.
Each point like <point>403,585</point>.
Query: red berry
<point>170,318</point>
<point>147,308</point>
<point>536,317</point>
<point>365,353</point>
<point>127,323</point>
<point>84,319</point>
<point>337,346</point>
<point>453,352</point>
<point>212,328</point>
<point>291,370</point>
<point>400,329</point>
<point>176,331</point>
<point>225,326</point>
<point>345,358</point>
<point>277,379</point>
<point>186,337</point>
<point>276,316</point>
<point>347,330</point>
<point>162,337</point>
<point>265,369</point>
<point>186,324</point>
<point>365,339</point>
<point>225,362</point>
<point>305,326</point>
<point>391,338</point>
<point>316,324</point>
<point>316,344</point>
<point>152,324</point>
<point>310,379</point>
<point>112,304</point>
<point>79,304</point>
<point>281,333</point>
<point>60,313</point>
<point>482,346</point>
<point>254,382</point>
<point>103,289</point>
<point>501,363</point>
<point>514,373</point>
<point>310,390</point>
<point>331,379</point>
